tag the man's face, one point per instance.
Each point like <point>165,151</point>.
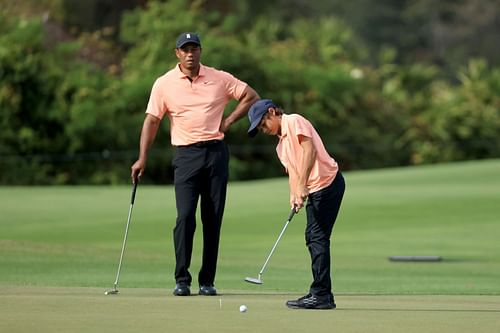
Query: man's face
<point>189,55</point>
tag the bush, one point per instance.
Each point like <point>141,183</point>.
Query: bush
<point>68,121</point>
<point>463,122</point>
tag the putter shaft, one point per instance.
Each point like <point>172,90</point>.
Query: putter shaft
<point>259,280</point>
<point>273,249</point>
<point>129,218</point>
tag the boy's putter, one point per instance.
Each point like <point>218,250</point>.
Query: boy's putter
<point>259,279</point>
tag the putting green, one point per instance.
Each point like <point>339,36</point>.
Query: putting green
<point>52,309</point>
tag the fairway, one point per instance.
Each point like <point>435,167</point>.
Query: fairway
<point>59,251</point>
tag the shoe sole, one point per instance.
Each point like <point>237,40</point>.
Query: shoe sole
<point>182,294</point>
<point>187,293</point>
<point>325,307</point>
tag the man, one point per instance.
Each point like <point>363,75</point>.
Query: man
<point>313,176</point>
<point>193,96</point>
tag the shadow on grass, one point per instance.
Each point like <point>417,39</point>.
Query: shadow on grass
<point>418,310</point>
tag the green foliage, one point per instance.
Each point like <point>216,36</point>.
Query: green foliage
<point>30,117</point>
<point>153,31</point>
<point>69,117</point>
<point>462,122</point>
<point>54,108</point>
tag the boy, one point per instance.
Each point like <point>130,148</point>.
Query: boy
<point>313,175</point>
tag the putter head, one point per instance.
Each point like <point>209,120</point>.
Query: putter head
<point>253,280</point>
<point>111,292</point>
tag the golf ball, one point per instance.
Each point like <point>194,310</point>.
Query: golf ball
<point>243,308</point>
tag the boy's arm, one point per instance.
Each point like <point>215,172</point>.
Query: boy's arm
<point>299,192</point>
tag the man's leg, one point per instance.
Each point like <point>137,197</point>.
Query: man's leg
<point>187,164</point>
<point>213,199</point>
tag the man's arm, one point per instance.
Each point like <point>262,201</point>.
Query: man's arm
<point>148,135</point>
<point>248,97</point>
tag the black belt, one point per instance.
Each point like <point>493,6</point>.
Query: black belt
<point>202,144</point>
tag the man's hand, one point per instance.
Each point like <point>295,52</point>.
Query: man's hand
<point>246,100</point>
<point>137,170</point>
<point>224,126</point>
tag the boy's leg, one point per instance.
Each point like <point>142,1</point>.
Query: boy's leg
<point>322,210</point>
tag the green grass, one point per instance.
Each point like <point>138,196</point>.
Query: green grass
<point>56,240</point>
<point>71,236</point>
<point>152,310</point>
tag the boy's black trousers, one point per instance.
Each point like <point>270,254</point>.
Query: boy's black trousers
<point>322,209</point>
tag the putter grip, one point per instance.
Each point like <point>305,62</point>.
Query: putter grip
<point>292,213</point>
<point>134,189</point>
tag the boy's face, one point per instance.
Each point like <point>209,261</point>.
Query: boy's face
<point>270,123</point>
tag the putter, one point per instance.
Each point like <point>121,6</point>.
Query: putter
<point>259,279</point>
<point>114,291</point>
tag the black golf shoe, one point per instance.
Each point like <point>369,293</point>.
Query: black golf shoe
<point>208,291</point>
<point>182,289</point>
<point>310,301</point>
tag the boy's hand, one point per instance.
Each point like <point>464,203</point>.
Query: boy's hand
<point>299,198</point>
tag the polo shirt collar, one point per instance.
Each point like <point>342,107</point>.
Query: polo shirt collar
<point>181,75</point>
<point>284,129</point>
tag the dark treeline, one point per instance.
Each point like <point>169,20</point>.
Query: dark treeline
<point>386,83</point>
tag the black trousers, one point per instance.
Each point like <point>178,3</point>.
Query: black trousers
<point>322,209</point>
<point>200,172</point>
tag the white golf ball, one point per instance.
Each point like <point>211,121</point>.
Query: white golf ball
<point>243,308</point>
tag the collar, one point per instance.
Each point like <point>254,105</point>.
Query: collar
<point>181,75</point>
<point>284,129</point>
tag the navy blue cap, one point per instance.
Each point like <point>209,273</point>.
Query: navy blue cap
<point>257,111</point>
<point>187,37</point>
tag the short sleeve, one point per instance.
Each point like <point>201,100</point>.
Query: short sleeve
<point>234,86</point>
<point>156,104</point>
<point>302,127</point>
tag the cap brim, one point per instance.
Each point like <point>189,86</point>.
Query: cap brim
<point>188,42</point>
<point>253,130</point>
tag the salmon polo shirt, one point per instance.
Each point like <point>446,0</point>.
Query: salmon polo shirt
<point>195,109</point>
<point>290,152</point>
